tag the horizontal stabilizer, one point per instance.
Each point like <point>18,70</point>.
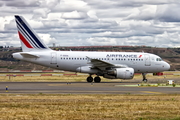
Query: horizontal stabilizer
<point>27,55</point>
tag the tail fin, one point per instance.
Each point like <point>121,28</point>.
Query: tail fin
<point>29,39</point>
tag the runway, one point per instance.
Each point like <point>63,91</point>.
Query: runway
<point>82,88</point>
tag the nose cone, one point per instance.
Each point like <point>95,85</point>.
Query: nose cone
<point>166,66</point>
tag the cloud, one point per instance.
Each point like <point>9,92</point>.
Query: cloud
<point>20,3</point>
<point>168,13</point>
<point>163,12</point>
<point>74,15</point>
<point>48,39</point>
<point>103,40</point>
<point>92,22</point>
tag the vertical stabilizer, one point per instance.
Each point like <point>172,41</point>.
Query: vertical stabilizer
<point>30,41</point>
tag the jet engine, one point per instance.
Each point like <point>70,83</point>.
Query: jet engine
<point>87,69</point>
<point>120,73</point>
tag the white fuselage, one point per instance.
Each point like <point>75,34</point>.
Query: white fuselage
<point>71,60</point>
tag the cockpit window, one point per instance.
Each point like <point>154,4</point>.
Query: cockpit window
<point>158,59</point>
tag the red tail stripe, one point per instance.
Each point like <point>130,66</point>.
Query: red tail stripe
<point>24,40</point>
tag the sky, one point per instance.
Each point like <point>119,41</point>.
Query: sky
<point>154,23</point>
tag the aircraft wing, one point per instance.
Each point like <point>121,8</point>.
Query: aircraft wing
<point>96,63</point>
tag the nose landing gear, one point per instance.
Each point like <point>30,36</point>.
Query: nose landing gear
<point>144,77</point>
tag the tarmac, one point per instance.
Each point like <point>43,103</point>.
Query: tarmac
<point>83,88</point>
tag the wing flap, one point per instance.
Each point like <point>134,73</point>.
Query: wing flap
<point>96,63</point>
<point>100,63</point>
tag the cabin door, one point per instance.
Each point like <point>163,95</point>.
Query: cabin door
<point>53,58</point>
<point>147,60</point>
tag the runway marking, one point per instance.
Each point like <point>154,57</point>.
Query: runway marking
<point>65,84</point>
<point>151,92</point>
<point>56,84</point>
<point>126,85</point>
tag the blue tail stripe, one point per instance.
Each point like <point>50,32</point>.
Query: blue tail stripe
<point>30,32</point>
<point>25,34</point>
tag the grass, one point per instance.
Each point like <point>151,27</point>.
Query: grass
<point>35,77</point>
<point>89,107</point>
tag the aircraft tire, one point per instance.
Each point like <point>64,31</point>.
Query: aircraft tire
<point>89,79</point>
<point>97,79</point>
<point>145,80</point>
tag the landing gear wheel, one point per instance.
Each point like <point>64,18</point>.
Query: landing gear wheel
<point>97,79</point>
<point>89,79</point>
<point>145,80</point>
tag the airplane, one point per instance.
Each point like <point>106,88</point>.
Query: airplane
<point>111,65</point>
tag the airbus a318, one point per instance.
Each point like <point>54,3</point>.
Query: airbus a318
<point>112,65</point>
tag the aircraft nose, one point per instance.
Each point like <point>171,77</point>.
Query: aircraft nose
<point>166,66</point>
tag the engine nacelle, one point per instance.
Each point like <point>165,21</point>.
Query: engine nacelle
<point>120,73</point>
<point>87,69</point>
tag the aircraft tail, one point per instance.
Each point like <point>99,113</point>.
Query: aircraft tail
<point>30,41</point>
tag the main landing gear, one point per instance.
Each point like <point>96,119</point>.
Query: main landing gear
<point>144,77</point>
<point>90,79</point>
